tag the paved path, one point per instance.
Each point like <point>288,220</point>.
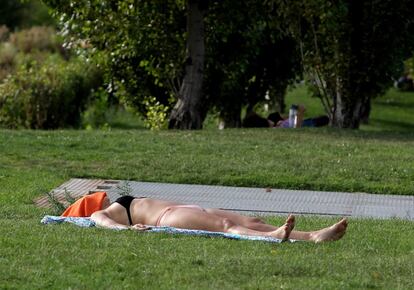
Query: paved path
<point>255,200</point>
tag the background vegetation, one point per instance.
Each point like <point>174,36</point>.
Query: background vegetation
<point>145,60</point>
<point>43,85</point>
<point>160,45</point>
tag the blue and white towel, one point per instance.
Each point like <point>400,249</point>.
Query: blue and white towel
<point>87,222</point>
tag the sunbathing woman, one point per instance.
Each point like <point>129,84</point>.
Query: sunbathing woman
<point>129,212</point>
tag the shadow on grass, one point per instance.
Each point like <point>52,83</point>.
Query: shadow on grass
<point>127,126</point>
<point>400,126</point>
<point>384,135</point>
<point>394,104</point>
<point>395,99</point>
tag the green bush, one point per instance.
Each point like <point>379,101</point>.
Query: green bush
<point>18,14</point>
<point>156,115</point>
<point>409,67</point>
<point>47,95</point>
<point>98,112</point>
<point>41,38</point>
<point>7,59</point>
<point>36,43</point>
<point>4,33</point>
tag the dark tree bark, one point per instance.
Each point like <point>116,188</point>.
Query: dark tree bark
<point>186,114</point>
<point>347,113</point>
<point>366,111</point>
<point>277,97</point>
<point>350,89</point>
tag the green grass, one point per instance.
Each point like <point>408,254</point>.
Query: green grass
<point>375,254</point>
<point>392,112</point>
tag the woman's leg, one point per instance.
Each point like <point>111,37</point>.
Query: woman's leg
<point>191,218</point>
<point>332,233</point>
<point>253,223</point>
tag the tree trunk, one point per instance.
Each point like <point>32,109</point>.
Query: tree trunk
<point>350,98</point>
<point>366,111</point>
<point>348,109</point>
<point>186,113</point>
<point>277,97</point>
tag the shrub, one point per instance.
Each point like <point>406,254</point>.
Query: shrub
<point>7,59</point>
<point>4,33</point>
<point>40,38</point>
<point>47,95</point>
<point>156,115</point>
<point>98,112</point>
<point>34,43</point>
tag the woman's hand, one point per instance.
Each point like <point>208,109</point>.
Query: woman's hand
<point>139,227</point>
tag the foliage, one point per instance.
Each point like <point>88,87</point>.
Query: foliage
<point>143,42</point>
<point>59,207</point>
<point>124,188</point>
<point>7,59</point>
<point>39,78</point>
<point>36,38</point>
<point>343,46</point>
<point>346,50</point>
<point>33,44</point>
<point>98,111</point>
<point>47,95</point>
<point>156,115</point>
<point>18,14</point>
<point>265,60</point>
<point>4,33</point>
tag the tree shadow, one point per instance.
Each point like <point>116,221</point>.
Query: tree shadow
<point>126,126</point>
<point>400,126</point>
<point>383,135</point>
<point>395,103</point>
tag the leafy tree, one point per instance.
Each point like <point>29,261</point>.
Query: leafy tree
<point>351,49</point>
<point>249,56</point>
<point>145,45</point>
<point>191,52</point>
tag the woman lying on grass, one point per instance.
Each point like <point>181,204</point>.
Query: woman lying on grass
<point>129,212</point>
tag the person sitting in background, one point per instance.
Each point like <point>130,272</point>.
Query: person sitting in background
<point>275,120</point>
<point>139,213</point>
<point>253,120</point>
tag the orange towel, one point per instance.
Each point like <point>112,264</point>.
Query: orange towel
<point>86,205</point>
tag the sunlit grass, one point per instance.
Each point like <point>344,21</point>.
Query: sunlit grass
<point>374,254</point>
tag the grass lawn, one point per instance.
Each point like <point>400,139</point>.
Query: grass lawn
<point>376,254</point>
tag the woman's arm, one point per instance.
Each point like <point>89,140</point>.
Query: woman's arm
<point>102,219</point>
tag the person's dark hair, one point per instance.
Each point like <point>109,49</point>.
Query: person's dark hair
<point>275,117</point>
<point>254,121</point>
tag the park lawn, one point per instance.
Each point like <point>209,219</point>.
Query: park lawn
<point>374,253</point>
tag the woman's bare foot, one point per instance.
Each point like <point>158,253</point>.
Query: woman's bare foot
<point>332,233</point>
<point>284,231</point>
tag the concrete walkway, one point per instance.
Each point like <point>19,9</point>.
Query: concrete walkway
<point>253,200</point>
